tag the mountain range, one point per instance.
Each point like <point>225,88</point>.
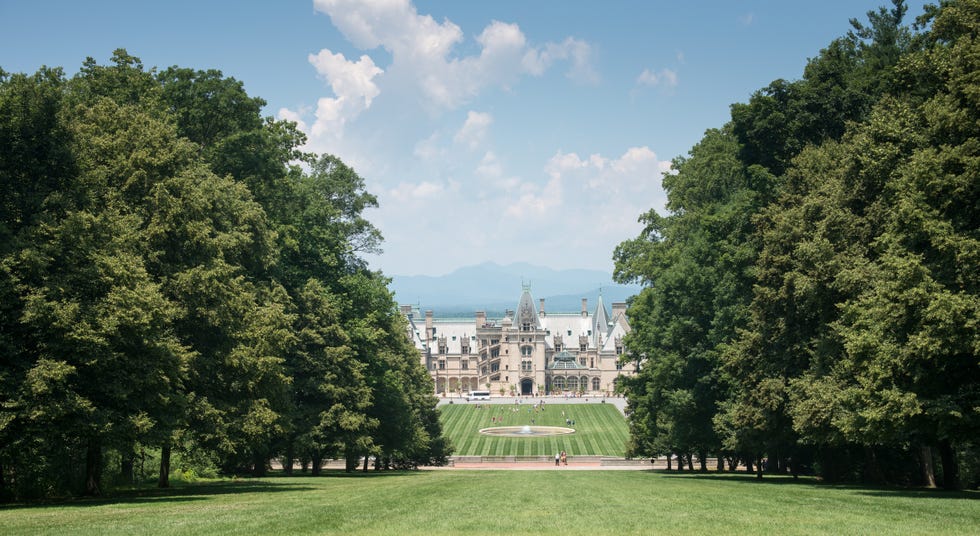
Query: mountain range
<point>494,288</point>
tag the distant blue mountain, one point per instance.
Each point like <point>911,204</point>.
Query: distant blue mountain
<point>494,288</point>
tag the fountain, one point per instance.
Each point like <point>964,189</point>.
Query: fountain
<point>526,431</point>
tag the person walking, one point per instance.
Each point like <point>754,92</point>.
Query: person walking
<point>564,458</point>
<point>557,458</point>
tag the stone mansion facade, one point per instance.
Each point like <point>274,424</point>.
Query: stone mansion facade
<point>527,352</point>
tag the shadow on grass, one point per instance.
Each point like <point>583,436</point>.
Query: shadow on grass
<point>813,482</point>
<point>275,482</point>
<point>178,493</point>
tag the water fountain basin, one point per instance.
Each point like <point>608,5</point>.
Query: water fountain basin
<point>526,431</point>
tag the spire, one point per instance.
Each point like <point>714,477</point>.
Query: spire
<point>526,312</point>
<point>600,320</point>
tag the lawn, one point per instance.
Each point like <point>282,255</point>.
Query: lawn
<point>555,501</point>
<point>600,429</point>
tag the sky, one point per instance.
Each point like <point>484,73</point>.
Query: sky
<point>504,131</point>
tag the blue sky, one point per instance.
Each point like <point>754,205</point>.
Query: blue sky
<point>506,131</point>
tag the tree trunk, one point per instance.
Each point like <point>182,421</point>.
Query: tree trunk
<point>669,462</point>
<point>126,469</point>
<point>721,463</point>
<point>93,468</point>
<point>366,464</point>
<point>951,470</point>
<point>316,463</point>
<point>748,466</point>
<point>758,467</point>
<point>350,460</point>
<point>928,471</point>
<point>164,480</point>
<point>690,462</point>
<point>259,462</point>
<point>287,460</point>
<point>872,471</point>
<point>703,462</point>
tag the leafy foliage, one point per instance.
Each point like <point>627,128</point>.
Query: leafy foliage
<point>837,313</point>
<point>173,278</point>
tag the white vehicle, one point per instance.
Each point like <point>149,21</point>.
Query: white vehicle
<point>478,395</point>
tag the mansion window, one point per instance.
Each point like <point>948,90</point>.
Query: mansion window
<point>442,365</point>
<point>526,326</point>
<point>583,348</point>
<point>595,384</point>
<point>465,350</point>
<point>526,351</point>
<point>494,367</point>
<point>526,365</point>
<point>466,364</point>
<point>581,361</point>
<point>619,366</point>
<point>619,349</point>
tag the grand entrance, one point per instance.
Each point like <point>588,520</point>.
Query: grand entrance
<point>527,386</point>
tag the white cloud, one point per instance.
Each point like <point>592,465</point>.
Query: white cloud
<point>296,117</point>
<point>580,53</point>
<point>429,149</point>
<point>422,48</point>
<point>353,86</point>
<point>407,192</point>
<point>665,78</point>
<point>747,19</point>
<point>474,129</point>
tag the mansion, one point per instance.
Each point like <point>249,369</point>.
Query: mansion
<point>527,352</point>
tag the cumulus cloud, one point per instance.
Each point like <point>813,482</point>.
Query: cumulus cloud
<point>352,83</point>
<point>422,49</point>
<point>666,78</point>
<point>294,116</point>
<point>474,129</point>
<point>407,192</point>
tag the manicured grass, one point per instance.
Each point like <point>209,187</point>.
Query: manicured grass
<point>600,429</point>
<point>557,501</point>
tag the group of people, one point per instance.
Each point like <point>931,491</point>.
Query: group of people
<point>561,459</point>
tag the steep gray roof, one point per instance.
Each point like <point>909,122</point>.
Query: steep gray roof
<point>525,311</point>
<point>600,320</point>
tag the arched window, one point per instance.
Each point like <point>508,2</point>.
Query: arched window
<point>572,383</point>
<point>595,384</point>
<point>558,383</point>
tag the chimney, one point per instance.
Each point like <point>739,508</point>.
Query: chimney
<point>585,307</point>
<point>542,307</point>
<point>618,308</point>
<point>481,319</point>
<point>406,310</point>
<point>428,326</point>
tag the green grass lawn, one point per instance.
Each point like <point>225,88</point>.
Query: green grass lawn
<point>600,429</point>
<point>508,502</point>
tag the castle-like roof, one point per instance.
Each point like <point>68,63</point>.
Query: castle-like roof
<point>525,310</point>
